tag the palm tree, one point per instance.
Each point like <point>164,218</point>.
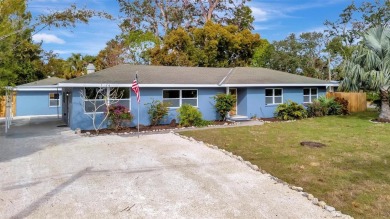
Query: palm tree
<point>369,67</point>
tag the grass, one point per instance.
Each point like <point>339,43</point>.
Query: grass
<point>352,173</point>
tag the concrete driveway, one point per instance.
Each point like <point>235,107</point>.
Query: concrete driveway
<point>49,172</point>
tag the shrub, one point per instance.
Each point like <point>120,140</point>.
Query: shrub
<point>324,106</point>
<point>190,116</point>
<point>117,114</point>
<point>344,105</point>
<point>315,109</point>
<point>224,103</point>
<point>290,110</point>
<point>157,111</point>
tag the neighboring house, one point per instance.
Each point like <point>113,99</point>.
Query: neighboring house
<point>258,90</point>
<point>39,98</point>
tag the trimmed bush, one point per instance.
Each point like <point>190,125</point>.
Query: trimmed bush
<point>157,110</point>
<point>224,103</point>
<point>324,106</point>
<point>190,116</point>
<point>117,114</point>
<point>290,111</point>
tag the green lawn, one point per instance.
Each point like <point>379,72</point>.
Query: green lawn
<point>352,173</point>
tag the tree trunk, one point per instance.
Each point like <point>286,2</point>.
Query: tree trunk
<point>385,107</point>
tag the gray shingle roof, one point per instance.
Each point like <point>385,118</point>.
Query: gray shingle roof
<point>170,75</point>
<point>247,75</point>
<point>147,74</point>
<point>44,82</point>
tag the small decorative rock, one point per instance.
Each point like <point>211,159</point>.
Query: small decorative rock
<point>248,163</point>
<point>240,158</point>
<point>304,194</point>
<point>77,131</point>
<point>255,168</point>
<point>225,123</point>
<point>88,133</point>
<point>336,214</point>
<point>322,204</point>
<point>315,201</point>
<point>310,197</point>
<point>329,208</point>
<point>299,189</point>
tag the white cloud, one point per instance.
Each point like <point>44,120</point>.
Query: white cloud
<point>259,14</point>
<point>48,38</point>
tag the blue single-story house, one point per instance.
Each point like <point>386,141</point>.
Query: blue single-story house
<point>258,91</point>
<point>39,98</point>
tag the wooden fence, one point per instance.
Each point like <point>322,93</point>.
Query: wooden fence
<point>3,105</point>
<point>357,102</point>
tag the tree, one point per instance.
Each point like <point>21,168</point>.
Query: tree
<point>297,55</point>
<point>263,54</point>
<point>99,99</point>
<point>369,67</point>
<point>111,55</point>
<point>243,18</point>
<point>74,66</point>
<point>20,58</point>
<point>137,45</point>
<point>154,15</point>
<point>214,45</point>
<point>353,22</point>
<point>162,16</point>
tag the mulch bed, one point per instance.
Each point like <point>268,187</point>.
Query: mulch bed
<point>147,128</point>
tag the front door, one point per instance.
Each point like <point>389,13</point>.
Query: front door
<point>233,91</point>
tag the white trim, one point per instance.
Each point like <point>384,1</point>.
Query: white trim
<point>236,97</point>
<point>181,98</point>
<point>273,96</point>
<point>140,85</point>
<point>59,100</point>
<point>191,85</point>
<point>108,99</point>
<point>38,89</point>
<point>278,85</point>
<point>310,95</point>
<point>30,117</point>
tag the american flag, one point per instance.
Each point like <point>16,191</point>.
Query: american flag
<point>135,88</point>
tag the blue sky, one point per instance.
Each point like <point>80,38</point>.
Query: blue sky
<point>274,20</point>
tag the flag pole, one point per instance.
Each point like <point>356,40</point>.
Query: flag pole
<point>135,88</point>
<point>138,120</point>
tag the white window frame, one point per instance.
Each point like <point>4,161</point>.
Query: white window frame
<point>181,97</point>
<point>108,99</point>
<point>273,96</point>
<point>58,100</point>
<point>310,95</point>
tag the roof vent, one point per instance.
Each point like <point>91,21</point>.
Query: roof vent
<point>90,68</point>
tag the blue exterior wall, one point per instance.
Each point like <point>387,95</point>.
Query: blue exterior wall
<point>33,103</point>
<point>256,100</point>
<point>242,101</point>
<point>250,102</point>
<point>205,104</point>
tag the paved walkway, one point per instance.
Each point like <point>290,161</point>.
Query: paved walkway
<point>49,172</point>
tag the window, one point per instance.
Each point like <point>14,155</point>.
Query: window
<point>96,99</point>
<point>176,98</point>
<point>54,100</point>
<point>309,94</point>
<point>273,96</point>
